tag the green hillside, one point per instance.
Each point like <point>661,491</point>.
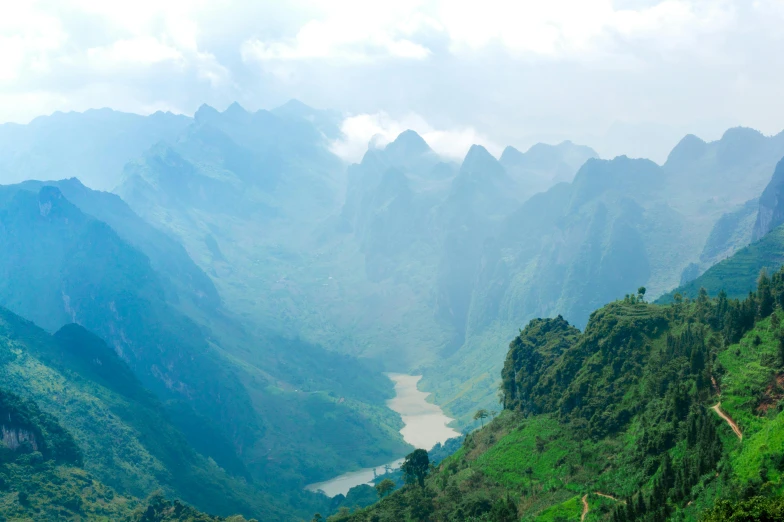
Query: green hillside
<point>262,412</point>
<point>628,420</point>
<point>737,275</point>
<point>122,433</point>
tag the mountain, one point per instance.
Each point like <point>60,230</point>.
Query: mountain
<point>732,231</point>
<point>183,280</point>
<point>429,265</point>
<point>93,145</point>
<point>742,244</point>
<point>737,275</point>
<point>79,406</point>
<point>542,166</point>
<point>651,413</point>
<point>263,407</point>
<point>326,121</point>
<point>771,205</point>
<point>565,251</point>
<point>731,170</point>
<point>619,225</point>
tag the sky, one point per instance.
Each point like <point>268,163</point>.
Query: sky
<point>625,76</point>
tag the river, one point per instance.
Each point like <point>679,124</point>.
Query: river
<point>425,425</point>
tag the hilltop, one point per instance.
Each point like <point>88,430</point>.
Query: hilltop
<point>653,412</point>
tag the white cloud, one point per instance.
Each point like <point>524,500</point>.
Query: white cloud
<point>27,39</point>
<point>377,130</point>
<point>349,31</point>
<point>509,70</point>
<point>577,28</point>
<point>142,50</point>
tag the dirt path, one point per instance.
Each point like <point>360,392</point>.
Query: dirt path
<point>608,496</point>
<point>715,386</point>
<point>585,508</point>
<point>727,418</point>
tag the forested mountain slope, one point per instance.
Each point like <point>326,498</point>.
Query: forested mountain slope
<point>427,264</point>
<point>274,410</point>
<point>83,438</point>
<point>654,412</point>
<point>620,224</point>
<point>260,204</point>
<point>736,275</point>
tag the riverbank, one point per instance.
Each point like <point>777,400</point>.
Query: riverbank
<point>425,425</point>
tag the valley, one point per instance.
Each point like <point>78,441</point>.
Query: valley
<point>424,426</point>
<point>264,327</point>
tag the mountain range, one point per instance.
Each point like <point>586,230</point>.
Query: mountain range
<point>228,310</point>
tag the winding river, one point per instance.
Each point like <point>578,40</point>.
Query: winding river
<point>425,425</point>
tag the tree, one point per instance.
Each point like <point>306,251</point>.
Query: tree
<point>416,467</point>
<point>504,510</point>
<point>493,413</point>
<point>764,295</point>
<point>781,350</point>
<point>481,415</point>
<point>641,293</point>
<point>317,518</point>
<point>385,487</point>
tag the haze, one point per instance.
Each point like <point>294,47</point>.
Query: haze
<point>625,77</point>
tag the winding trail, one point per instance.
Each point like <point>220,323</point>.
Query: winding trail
<point>587,508</point>
<point>727,418</point>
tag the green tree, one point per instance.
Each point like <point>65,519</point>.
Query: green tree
<point>751,510</point>
<point>781,350</point>
<point>481,415</point>
<point>416,467</point>
<point>420,505</point>
<point>764,295</point>
<point>529,472</point>
<point>641,293</point>
<point>385,487</point>
<point>504,510</point>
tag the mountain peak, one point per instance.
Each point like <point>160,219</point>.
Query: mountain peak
<point>205,113</point>
<point>741,133</point>
<point>689,148</point>
<point>480,162</point>
<point>511,156</point>
<point>235,109</point>
<point>477,154</point>
<point>296,107</point>
<point>408,143</point>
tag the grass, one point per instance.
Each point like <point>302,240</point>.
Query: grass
<point>745,384</point>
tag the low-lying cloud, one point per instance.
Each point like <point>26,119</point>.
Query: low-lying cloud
<point>377,130</point>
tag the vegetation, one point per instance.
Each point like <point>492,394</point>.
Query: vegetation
<point>188,399</point>
<point>633,419</point>
<point>88,428</point>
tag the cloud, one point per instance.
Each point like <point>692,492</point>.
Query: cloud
<point>377,130</point>
<point>142,50</point>
<point>502,71</point>
<point>27,38</point>
<point>349,31</point>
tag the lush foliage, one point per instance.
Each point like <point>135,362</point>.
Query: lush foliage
<point>216,415</point>
<point>631,418</point>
